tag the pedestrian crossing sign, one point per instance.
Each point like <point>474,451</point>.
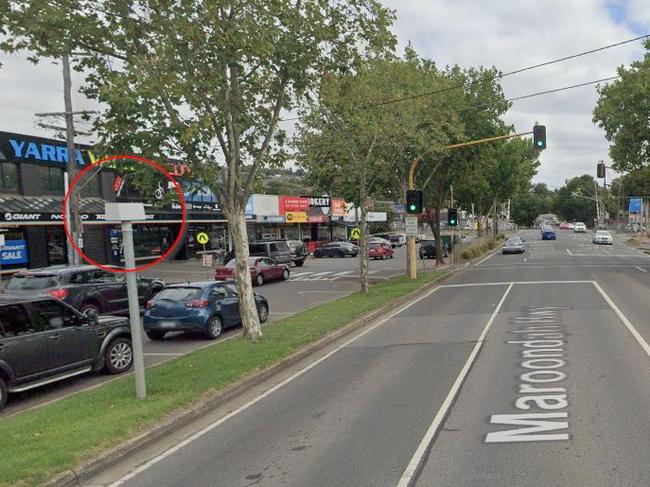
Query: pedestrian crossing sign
<point>356,234</point>
<point>202,238</point>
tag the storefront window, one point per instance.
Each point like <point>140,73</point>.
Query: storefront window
<point>151,240</point>
<point>56,246</point>
<point>49,180</point>
<point>8,176</point>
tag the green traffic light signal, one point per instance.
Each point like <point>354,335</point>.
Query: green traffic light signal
<point>414,202</point>
<point>539,137</point>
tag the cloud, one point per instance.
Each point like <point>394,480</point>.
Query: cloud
<point>502,33</point>
<point>512,35</point>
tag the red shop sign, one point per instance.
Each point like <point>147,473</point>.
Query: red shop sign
<point>293,204</point>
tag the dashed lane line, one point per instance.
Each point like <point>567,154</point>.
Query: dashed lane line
<point>416,461</point>
<point>641,269</point>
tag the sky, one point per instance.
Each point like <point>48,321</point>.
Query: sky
<point>503,33</point>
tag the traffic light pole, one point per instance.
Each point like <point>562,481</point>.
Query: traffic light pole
<point>412,251</point>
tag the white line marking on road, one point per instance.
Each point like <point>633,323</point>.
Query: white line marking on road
<point>421,451</point>
<point>316,274</point>
<point>296,274</point>
<point>641,269</point>
<point>505,283</point>
<point>525,259</point>
<point>623,318</point>
<point>569,252</point>
<point>252,402</point>
<point>162,354</point>
<point>343,273</point>
<point>487,257</point>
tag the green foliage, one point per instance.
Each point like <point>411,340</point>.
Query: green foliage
<point>573,203</point>
<point>623,111</point>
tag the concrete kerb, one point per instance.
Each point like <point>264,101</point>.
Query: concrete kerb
<point>180,419</point>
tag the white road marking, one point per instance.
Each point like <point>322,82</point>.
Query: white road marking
<point>316,274</point>
<point>525,259</point>
<point>623,318</point>
<point>421,451</point>
<point>255,400</point>
<point>505,283</point>
<point>641,269</point>
<point>343,273</point>
<point>296,274</point>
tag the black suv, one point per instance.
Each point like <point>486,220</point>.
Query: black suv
<point>298,252</point>
<point>428,249</point>
<point>43,340</point>
<point>83,287</point>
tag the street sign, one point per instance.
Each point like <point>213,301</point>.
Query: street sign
<point>356,233</point>
<point>202,238</point>
<point>411,226</point>
<point>635,205</point>
<point>206,260</point>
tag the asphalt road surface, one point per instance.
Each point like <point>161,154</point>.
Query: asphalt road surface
<point>524,370</point>
<point>318,281</point>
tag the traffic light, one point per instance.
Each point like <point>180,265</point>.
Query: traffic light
<point>452,217</point>
<point>600,170</point>
<point>414,201</point>
<point>539,137</point>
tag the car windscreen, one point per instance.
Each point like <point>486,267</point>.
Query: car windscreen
<point>251,261</point>
<point>426,243</point>
<point>374,245</point>
<point>279,247</point>
<point>179,293</point>
<point>33,281</point>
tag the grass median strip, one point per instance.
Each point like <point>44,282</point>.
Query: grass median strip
<point>41,443</point>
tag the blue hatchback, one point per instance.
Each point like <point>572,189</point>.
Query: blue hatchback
<point>548,233</point>
<point>208,307</point>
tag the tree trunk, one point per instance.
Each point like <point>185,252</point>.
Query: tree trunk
<point>479,225</point>
<point>363,241</point>
<point>247,308</point>
<point>440,258</point>
<point>495,222</point>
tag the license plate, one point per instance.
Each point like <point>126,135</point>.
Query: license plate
<point>167,324</point>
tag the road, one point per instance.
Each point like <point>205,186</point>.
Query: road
<point>318,281</point>
<point>524,370</point>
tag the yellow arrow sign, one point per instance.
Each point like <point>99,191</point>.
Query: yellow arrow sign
<point>202,238</point>
<point>356,233</point>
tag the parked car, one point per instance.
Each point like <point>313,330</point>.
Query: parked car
<point>262,269</point>
<point>277,250</point>
<point>380,251</point>
<point>43,340</point>
<point>396,239</point>
<point>548,233</point>
<point>515,245</point>
<point>603,237</point>
<point>579,227</point>
<point>379,240</point>
<point>208,307</point>
<point>83,287</point>
<point>298,252</point>
<point>564,226</point>
<point>337,249</point>
<point>428,249</point>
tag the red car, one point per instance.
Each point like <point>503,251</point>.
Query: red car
<point>380,251</point>
<point>262,269</point>
<point>565,226</point>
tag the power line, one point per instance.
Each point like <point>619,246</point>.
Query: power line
<point>499,76</point>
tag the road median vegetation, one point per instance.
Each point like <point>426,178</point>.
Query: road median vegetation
<point>39,444</point>
<point>479,248</point>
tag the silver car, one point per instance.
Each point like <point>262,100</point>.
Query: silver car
<point>514,245</point>
<point>603,237</point>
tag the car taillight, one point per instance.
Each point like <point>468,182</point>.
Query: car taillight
<point>59,293</point>
<point>197,303</point>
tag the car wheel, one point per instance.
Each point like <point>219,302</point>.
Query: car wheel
<point>215,327</point>
<point>3,393</point>
<point>383,256</point>
<point>263,312</point>
<point>299,263</point>
<point>285,274</point>
<point>259,280</point>
<point>119,356</point>
<point>86,307</point>
<point>391,256</point>
<point>156,335</point>
<point>317,255</point>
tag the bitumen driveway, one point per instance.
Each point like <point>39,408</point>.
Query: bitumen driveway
<point>524,370</point>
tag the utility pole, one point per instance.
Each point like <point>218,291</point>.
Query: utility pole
<point>453,244</point>
<point>74,202</point>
